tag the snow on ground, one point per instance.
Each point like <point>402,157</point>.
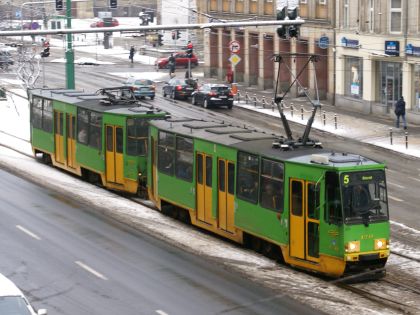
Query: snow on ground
<point>14,120</point>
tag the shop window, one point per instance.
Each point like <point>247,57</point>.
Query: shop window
<point>184,158</point>
<point>166,152</point>
<point>354,77</point>
<point>271,179</point>
<point>247,181</point>
<point>137,133</point>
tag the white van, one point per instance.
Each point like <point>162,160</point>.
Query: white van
<point>12,300</point>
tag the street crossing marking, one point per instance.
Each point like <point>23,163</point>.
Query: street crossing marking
<point>161,312</point>
<point>28,232</point>
<point>91,270</point>
<point>396,185</point>
<point>413,178</point>
<point>395,198</point>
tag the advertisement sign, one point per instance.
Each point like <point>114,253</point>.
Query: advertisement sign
<point>323,42</point>
<point>392,47</point>
<point>350,43</point>
<point>412,50</point>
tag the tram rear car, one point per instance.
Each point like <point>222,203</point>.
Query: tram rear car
<point>100,136</point>
<point>303,202</point>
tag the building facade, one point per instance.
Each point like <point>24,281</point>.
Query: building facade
<point>259,44</point>
<point>378,55</point>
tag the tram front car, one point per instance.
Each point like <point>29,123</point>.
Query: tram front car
<point>357,210</point>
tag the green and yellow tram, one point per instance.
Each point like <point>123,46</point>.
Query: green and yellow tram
<point>101,136</point>
<point>319,210</point>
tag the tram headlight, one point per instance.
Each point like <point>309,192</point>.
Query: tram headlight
<point>353,247</point>
<point>381,243</point>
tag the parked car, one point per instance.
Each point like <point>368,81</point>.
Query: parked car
<point>213,94</point>
<point>141,87</point>
<point>12,300</point>
<point>5,59</point>
<point>179,88</point>
<point>108,22</point>
<point>181,61</point>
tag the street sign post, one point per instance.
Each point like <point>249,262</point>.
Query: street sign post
<point>234,46</point>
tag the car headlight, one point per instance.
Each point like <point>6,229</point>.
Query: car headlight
<point>353,247</point>
<point>381,243</point>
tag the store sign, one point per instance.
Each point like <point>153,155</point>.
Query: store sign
<point>350,43</point>
<point>412,50</point>
<point>354,89</point>
<point>392,48</point>
<point>323,42</point>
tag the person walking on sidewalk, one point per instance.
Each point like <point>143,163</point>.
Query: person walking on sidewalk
<point>400,112</point>
<point>131,56</point>
<point>171,63</point>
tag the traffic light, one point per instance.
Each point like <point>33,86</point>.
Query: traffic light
<point>59,5</point>
<point>281,16</point>
<point>160,40</point>
<point>292,14</point>
<point>113,4</point>
<point>173,35</point>
<point>178,34</point>
<point>45,52</point>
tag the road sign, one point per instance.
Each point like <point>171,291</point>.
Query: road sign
<point>234,59</point>
<point>234,46</point>
<point>323,42</point>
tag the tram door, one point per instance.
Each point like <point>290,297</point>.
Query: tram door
<point>204,187</point>
<point>114,154</point>
<point>71,140</point>
<point>304,220</point>
<point>226,179</point>
<point>154,168</point>
<point>58,137</point>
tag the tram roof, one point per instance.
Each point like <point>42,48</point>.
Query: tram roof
<point>95,102</point>
<point>257,142</point>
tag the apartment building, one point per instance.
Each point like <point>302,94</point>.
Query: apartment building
<point>378,55</point>
<point>258,44</point>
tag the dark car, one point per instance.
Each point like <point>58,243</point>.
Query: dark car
<point>5,59</point>
<point>141,87</point>
<point>213,95</point>
<point>179,88</point>
<point>181,61</point>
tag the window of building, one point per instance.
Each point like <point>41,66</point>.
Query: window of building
<point>247,179</point>
<point>371,15</point>
<point>271,179</point>
<point>89,127</point>
<point>137,133</point>
<point>346,14</point>
<point>323,2</point>
<point>395,18</point>
<point>390,78</point>
<point>303,1</point>
<point>416,87</point>
<point>353,77</point>
<point>42,114</point>
<point>166,152</point>
<point>184,158</point>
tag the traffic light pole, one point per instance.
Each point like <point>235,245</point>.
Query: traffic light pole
<point>69,51</point>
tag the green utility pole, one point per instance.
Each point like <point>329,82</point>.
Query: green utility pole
<point>69,52</point>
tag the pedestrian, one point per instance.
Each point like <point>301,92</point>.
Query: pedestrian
<point>171,62</point>
<point>190,45</point>
<point>400,112</point>
<point>131,56</point>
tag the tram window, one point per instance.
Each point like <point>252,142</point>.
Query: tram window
<point>313,201</point>
<point>200,169</point>
<point>95,126</point>
<point>47,116</point>
<point>313,239</point>
<point>37,112</point>
<point>222,176</point>
<point>209,171</point>
<point>247,179</point>
<point>184,158</point>
<point>166,155</point>
<point>119,142</point>
<point>137,133</point>
<point>297,198</point>
<point>231,178</point>
<point>109,138</point>
<point>333,212</point>
<point>271,179</point>
<point>82,126</point>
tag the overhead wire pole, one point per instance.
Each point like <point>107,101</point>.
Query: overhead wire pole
<point>70,81</point>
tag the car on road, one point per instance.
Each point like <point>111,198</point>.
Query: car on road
<point>108,22</point>
<point>181,61</point>
<point>179,88</point>
<point>141,87</point>
<point>213,95</point>
<point>13,301</point>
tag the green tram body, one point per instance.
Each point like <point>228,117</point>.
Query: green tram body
<point>86,134</point>
<point>243,185</point>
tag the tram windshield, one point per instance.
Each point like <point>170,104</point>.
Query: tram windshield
<point>364,197</point>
